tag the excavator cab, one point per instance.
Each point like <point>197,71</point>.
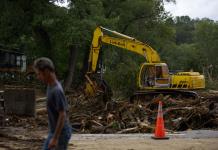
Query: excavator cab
<point>154,75</point>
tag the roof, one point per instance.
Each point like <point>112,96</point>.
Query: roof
<point>10,50</point>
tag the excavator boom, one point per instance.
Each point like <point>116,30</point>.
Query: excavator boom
<point>122,41</point>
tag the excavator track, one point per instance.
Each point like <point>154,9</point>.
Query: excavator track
<point>149,95</point>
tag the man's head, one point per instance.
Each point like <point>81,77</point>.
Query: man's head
<point>43,68</point>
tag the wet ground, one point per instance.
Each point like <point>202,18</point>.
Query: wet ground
<point>193,134</point>
<point>19,138</point>
<point>188,140</point>
<point>136,143</point>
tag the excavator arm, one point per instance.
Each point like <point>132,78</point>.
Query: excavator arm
<point>119,40</point>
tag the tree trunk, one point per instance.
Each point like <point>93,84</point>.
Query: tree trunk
<point>71,68</point>
<point>43,40</point>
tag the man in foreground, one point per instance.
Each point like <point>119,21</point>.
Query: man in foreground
<point>59,126</point>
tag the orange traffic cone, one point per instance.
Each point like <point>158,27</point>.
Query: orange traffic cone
<point>159,129</point>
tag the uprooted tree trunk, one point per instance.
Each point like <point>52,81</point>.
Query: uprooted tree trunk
<point>71,67</point>
<point>208,72</point>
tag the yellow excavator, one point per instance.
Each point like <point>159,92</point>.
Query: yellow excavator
<point>154,76</point>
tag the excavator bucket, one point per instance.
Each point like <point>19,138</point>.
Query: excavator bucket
<point>96,87</point>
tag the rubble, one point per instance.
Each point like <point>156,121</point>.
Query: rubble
<point>94,116</point>
<point>120,116</point>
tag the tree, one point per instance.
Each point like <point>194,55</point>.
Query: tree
<point>184,26</point>
<point>28,24</point>
<point>65,34</point>
<point>206,36</point>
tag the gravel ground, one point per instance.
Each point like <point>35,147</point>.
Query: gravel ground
<point>22,139</point>
<point>188,140</point>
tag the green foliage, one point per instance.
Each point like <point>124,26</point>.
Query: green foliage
<point>184,57</point>
<point>212,85</point>
<point>40,28</point>
<point>12,23</point>
<point>123,77</point>
<point>184,26</point>
<point>206,36</point>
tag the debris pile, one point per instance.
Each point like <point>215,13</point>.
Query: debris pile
<point>121,116</point>
<point>95,116</point>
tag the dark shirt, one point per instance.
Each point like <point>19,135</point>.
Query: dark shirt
<point>56,102</point>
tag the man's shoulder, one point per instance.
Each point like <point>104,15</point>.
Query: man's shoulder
<point>57,89</point>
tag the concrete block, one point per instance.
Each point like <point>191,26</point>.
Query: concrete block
<point>20,102</point>
<point>2,108</point>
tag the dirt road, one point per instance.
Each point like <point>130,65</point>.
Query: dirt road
<point>190,140</point>
<point>23,139</point>
<point>144,144</point>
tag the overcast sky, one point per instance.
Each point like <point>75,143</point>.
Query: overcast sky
<point>194,8</point>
